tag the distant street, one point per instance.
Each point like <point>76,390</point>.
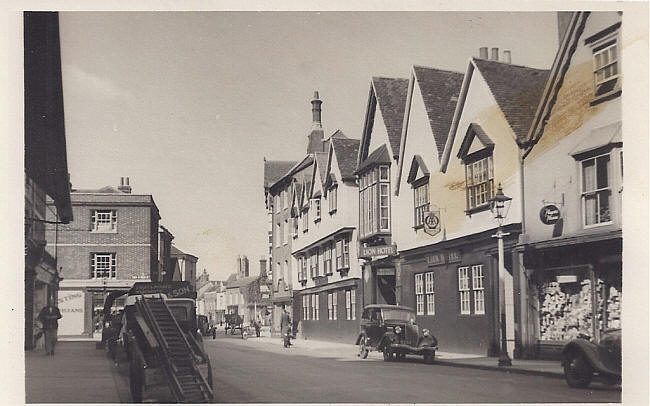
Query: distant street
<point>254,372</point>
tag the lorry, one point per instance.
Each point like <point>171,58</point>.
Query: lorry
<point>159,338</point>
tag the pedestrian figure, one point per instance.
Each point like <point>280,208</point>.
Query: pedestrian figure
<point>285,327</point>
<point>49,317</point>
<point>256,325</point>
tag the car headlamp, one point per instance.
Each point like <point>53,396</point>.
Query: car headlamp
<point>106,324</point>
<point>425,331</point>
<point>398,330</point>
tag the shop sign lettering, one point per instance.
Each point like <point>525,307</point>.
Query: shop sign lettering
<point>441,258</point>
<point>549,214</point>
<point>377,250</point>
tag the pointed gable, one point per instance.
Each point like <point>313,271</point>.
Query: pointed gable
<point>321,167</point>
<point>516,89</point>
<point>379,156</point>
<point>418,169</point>
<point>275,170</point>
<point>475,139</point>
<point>440,90</point>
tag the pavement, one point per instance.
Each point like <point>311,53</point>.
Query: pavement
<point>76,373</point>
<point>527,367</point>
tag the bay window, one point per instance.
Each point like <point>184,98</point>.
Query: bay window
<point>374,201</point>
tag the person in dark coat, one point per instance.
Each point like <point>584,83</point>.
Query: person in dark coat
<point>49,317</point>
<point>285,327</point>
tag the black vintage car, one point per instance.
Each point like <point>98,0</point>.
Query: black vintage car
<point>392,330</point>
<point>584,358</point>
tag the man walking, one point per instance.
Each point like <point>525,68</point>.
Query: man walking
<point>49,317</point>
<point>285,327</point>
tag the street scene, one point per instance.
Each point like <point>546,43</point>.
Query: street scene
<point>324,207</point>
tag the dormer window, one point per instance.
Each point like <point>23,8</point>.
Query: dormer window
<point>421,203</point>
<point>331,199</point>
<point>479,175</point>
<point>606,63</point>
<point>316,202</point>
<point>305,220</point>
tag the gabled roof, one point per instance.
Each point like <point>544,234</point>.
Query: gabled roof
<point>275,170</point>
<point>439,89</point>
<point>241,282</point>
<point>559,68</point>
<point>175,252</point>
<point>391,99</point>
<point>473,130</point>
<point>303,163</point>
<point>417,162</point>
<point>516,89</point>
<point>379,156</point>
<point>321,163</point>
<point>346,150</point>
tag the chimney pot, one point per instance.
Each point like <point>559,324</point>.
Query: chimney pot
<point>122,181</point>
<point>483,52</point>
<point>127,181</point>
<point>495,54</point>
<point>506,56</point>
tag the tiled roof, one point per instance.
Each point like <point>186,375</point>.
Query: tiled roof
<point>321,163</point>
<point>241,282</point>
<point>105,189</point>
<point>378,156</point>
<point>346,150</point>
<point>178,253</point>
<point>517,90</point>
<point>391,98</point>
<point>440,90</point>
<point>274,170</point>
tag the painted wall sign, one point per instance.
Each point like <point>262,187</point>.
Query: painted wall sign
<point>549,214</point>
<point>377,250</point>
<point>432,222</point>
<point>71,305</point>
<point>441,258</point>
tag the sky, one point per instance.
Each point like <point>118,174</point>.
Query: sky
<point>188,104</point>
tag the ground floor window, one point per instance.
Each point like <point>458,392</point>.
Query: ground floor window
<point>350,304</point>
<point>315,306</point>
<point>566,309</point>
<point>331,305</point>
<point>463,289</point>
<point>305,307</point>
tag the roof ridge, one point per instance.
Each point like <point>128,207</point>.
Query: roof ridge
<point>436,69</point>
<point>508,64</point>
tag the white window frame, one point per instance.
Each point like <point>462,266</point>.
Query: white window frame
<point>305,307</point>
<point>419,294</point>
<point>315,307</point>
<point>372,187</point>
<point>103,263</point>
<point>478,288</point>
<point>596,191</point>
<point>327,259</point>
<point>464,290</point>
<point>332,199</point>
<point>329,306</point>
<point>316,202</point>
<point>348,305</point>
<point>420,203</point>
<point>610,63</point>
<point>429,290</point>
<point>334,304</point>
<point>479,181</point>
<point>305,220</point>
<point>104,221</point>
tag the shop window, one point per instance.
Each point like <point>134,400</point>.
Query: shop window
<point>103,266</point>
<point>315,306</point>
<point>596,190</point>
<point>104,221</point>
<point>421,203</point>
<point>463,289</point>
<point>479,178</point>
<point>374,201</point>
<point>478,289</point>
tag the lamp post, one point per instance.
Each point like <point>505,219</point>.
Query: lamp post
<point>499,206</point>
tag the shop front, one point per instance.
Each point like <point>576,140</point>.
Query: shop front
<point>453,287</point>
<point>575,288</point>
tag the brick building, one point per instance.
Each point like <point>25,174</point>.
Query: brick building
<point>111,244</point>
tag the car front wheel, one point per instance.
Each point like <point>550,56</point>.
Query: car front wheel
<point>577,371</point>
<point>363,350</point>
<point>429,356</point>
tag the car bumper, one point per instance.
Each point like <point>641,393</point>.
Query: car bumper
<point>412,350</point>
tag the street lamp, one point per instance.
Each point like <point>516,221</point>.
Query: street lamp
<point>499,206</point>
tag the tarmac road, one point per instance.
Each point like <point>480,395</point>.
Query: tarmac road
<point>251,371</point>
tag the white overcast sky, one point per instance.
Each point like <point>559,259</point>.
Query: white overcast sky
<point>187,104</point>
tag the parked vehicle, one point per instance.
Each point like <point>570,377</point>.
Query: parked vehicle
<point>584,359</point>
<point>235,322</point>
<point>392,330</point>
<point>205,328</point>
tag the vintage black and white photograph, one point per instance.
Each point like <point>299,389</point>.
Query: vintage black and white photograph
<point>361,207</point>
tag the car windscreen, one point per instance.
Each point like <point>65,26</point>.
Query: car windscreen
<point>397,314</point>
<point>179,312</point>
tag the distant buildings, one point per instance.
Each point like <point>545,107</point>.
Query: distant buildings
<point>183,267</point>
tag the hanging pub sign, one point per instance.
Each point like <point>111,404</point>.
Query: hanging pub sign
<point>549,214</point>
<point>432,221</point>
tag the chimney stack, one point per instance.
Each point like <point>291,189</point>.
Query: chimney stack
<point>263,268</point>
<point>315,143</point>
<point>483,53</point>
<point>506,56</point>
<point>124,185</point>
<point>495,54</point>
